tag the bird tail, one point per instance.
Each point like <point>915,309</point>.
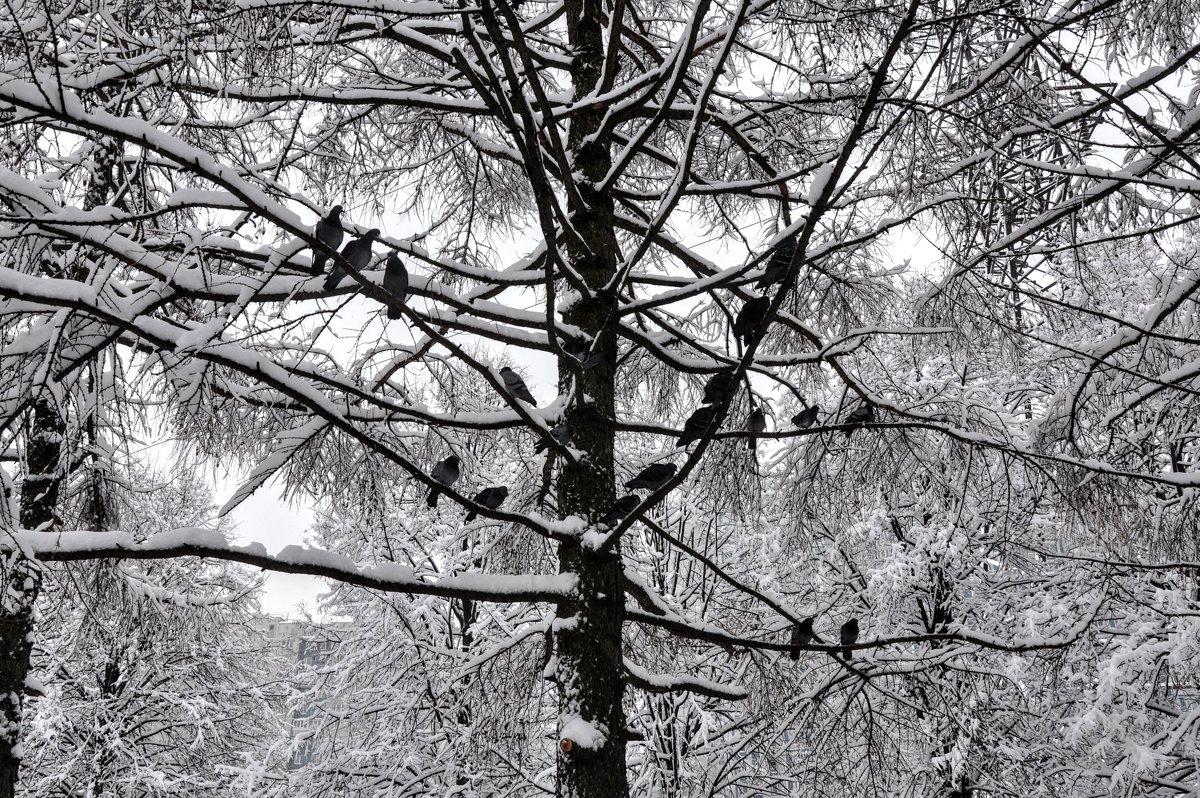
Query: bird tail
<point>318,264</point>
<point>752,444</point>
<point>394,313</point>
<point>847,654</point>
<point>432,500</point>
<point>794,654</point>
<point>470,516</point>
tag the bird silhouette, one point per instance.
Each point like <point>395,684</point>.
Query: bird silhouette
<point>329,232</point>
<point>717,387</point>
<point>802,635</point>
<point>779,263</point>
<point>620,508</point>
<point>807,417</point>
<point>750,318</point>
<point>652,477</point>
<point>395,282</point>
<point>357,253</point>
<point>516,386</point>
<point>849,636</point>
<point>445,472</point>
<point>863,414</point>
<point>561,433</point>
<point>583,353</point>
<point>756,423</point>
<point>491,498</point>
<point>697,424</point>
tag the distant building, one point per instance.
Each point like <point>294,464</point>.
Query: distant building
<point>299,643</point>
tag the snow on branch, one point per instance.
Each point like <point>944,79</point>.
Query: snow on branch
<point>202,542</point>
<point>660,683</point>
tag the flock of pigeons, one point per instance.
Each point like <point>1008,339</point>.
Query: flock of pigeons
<point>746,326</point>
<point>803,634</point>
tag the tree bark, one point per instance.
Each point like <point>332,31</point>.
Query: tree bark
<point>591,681</point>
<point>22,581</point>
<point>44,440</point>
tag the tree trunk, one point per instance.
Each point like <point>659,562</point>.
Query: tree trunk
<point>22,581</point>
<point>591,680</point>
<point>40,490</point>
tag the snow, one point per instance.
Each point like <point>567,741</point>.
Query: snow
<point>15,283</point>
<point>284,447</point>
<point>207,542</point>
<point>820,182</point>
<point>582,733</point>
<point>1053,542</point>
<point>686,683</point>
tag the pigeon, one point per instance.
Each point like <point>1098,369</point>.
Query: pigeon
<point>561,433</point>
<point>717,387</point>
<point>621,508</point>
<point>490,498</point>
<point>445,472</point>
<point>329,232</point>
<point>863,414</point>
<point>516,386</point>
<point>807,417</point>
<point>756,423</point>
<point>779,263</point>
<point>802,635</point>
<point>652,477</point>
<point>395,282</point>
<point>750,318</point>
<point>849,637</point>
<point>696,425</point>
<point>357,253</point>
<point>582,352</point>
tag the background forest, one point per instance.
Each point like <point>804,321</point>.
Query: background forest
<point>714,398</point>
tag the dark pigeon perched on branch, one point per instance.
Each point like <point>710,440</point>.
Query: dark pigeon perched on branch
<point>756,423</point>
<point>516,386</point>
<point>329,232</point>
<point>583,353</point>
<point>561,433</point>
<point>695,427</point>
<point>652,477</point>
<point>778,263</point>
<point>445,472</point>
<point>357,253</point>
<point>491,498</point>
<point>621,508</point>
<point>863,414</point>
<point>717,387</point>
<point>849,636</point>
<point>802,635</point>
<point>750,319</point>
<point>395,282</point>
<point>807,417</point>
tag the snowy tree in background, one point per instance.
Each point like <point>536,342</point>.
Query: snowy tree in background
<point>899,299</point>
<point>153,683</point>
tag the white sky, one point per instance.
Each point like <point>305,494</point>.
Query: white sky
<point>265,518</point>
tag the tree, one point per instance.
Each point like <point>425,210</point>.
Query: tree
<point>154,682</point>
<point>558,169</point>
